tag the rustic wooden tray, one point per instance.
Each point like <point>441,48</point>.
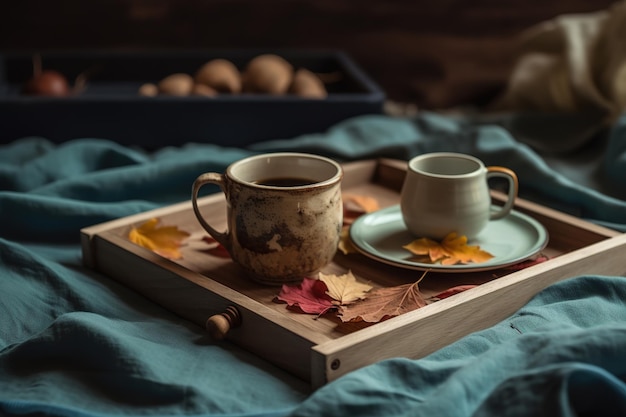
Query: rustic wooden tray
<point>320,350</point>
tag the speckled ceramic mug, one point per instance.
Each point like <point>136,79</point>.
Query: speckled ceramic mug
<point>446,192</point>
<point>284,214</point>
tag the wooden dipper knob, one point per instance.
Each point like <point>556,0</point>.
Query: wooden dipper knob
<point>219,325</point>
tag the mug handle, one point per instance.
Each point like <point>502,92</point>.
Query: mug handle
<point>222,238</point>
<point>509,175</point>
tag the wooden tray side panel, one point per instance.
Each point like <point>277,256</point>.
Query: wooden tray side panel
<point>262,331</point>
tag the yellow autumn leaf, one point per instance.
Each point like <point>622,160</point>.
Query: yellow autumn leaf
<point>164,240</point>
<point>344,289</point>
<point>345,243</point>
<point>452,250</point>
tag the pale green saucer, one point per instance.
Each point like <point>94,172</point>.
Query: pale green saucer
<point>380,235</point>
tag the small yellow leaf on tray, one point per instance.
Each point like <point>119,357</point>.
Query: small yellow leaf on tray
<point>452,250</point>
<point>345,243</point>
<point>344,289</point>
<point>164,240</point>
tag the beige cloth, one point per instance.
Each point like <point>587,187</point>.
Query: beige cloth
<point>573,63</point>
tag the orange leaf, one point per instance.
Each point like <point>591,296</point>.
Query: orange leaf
<point>164,240</point>
<point>355,205</point>
<point>384,303</point>
<point>452,250</point>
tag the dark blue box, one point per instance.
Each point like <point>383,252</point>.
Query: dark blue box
<point>110,107</point>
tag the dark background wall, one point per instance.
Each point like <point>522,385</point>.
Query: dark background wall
<point>435,53</point>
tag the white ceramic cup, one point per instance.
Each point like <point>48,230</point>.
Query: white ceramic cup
<point>284,214</point>
<point>446,192</point>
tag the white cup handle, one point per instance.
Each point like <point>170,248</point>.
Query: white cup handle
<point>509,175</point>
<point>209,178</point>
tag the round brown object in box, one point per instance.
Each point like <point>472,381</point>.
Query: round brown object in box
<point>269,74</point>
<point>308,85</point>
<point>48,83</point>
<point>204,90</point>
<point>148,90</point>
<point>221,75</point>
<point>178,84</point>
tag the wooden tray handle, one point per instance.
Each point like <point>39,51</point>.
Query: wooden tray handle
<point>220,324</point>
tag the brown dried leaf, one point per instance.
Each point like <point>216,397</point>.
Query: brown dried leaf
<point>384,303</point>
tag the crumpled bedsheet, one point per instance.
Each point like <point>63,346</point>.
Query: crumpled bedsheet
<point>76,343</point>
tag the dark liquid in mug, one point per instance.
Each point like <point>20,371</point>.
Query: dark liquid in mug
<point>285,181</point>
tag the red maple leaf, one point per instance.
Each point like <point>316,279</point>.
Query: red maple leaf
<point>451,291</point>
<point>529,262</point>
<point>309,296</point>
<point>216,249</point>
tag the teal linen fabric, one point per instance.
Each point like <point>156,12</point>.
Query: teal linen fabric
<point>76,343</point>
<point>563,354</point>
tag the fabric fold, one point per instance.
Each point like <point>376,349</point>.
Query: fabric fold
<point>541,372</point>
